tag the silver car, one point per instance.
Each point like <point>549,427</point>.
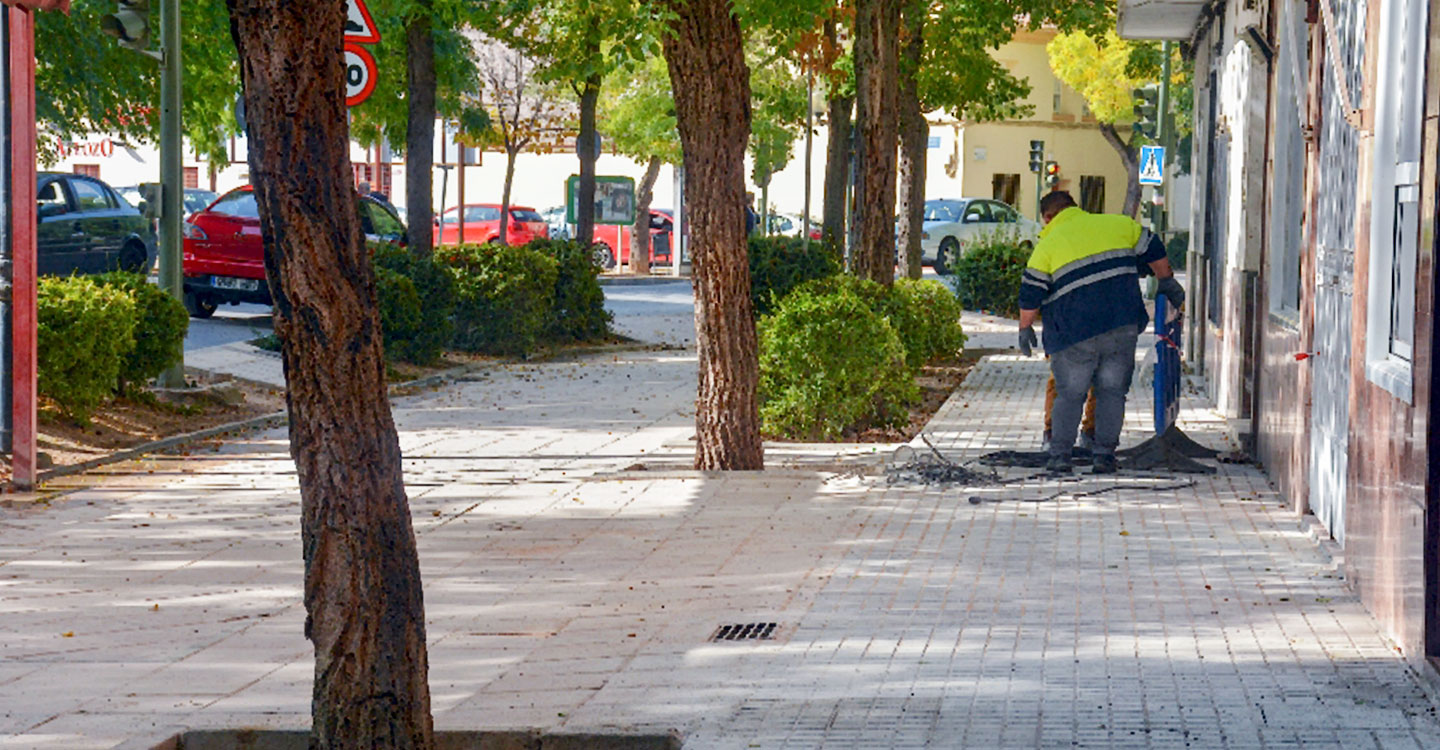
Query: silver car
<point>953,224</point>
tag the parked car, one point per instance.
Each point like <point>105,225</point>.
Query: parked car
<point>953,223</point>
<point>610,238</point>
<point>557,219</point>
<point>224,258</point>
<point>195,199</point>
<point>482,224</point>
<point>84,226</point>
<point>792,225</point>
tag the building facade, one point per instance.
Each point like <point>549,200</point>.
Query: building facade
<point>1312,268</point>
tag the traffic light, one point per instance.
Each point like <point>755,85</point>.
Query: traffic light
<point>1147,110</point>
<point>150,206</point>
<point>1037,155</point>
<point>130,23</point>
<point>1052,174</point>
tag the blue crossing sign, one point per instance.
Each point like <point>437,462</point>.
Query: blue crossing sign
<point>1152,165</point>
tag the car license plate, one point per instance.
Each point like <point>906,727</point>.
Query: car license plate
<point>230,282</point>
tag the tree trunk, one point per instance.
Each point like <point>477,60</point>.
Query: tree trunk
<point>363,602</point>
<point>706,57</point>
<point>914,143</point>
<point>877,25</point>
<point>420,131</point>
<point>640,232</point>
<point>837,166</point>
<point>1131,160</point>
<point>588,149</point>
<point>505,195</point>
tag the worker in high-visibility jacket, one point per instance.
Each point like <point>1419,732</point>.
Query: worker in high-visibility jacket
<point>1083,281</point>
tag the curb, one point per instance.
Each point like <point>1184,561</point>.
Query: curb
<point>627,280</point>
<point>280,418</point>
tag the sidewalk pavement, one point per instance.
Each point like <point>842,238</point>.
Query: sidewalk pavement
<point>575,572</point>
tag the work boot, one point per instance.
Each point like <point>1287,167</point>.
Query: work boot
<point>1104,463</point>
<point>1058,464</point>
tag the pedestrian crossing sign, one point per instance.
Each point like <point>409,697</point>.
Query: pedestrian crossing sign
<point>1152,161</point>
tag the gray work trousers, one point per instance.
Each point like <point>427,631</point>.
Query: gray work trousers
<point>1106,362</point>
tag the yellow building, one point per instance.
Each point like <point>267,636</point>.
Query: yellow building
<point>991,159</point>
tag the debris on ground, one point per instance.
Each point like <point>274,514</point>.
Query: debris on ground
<point>910,466</point>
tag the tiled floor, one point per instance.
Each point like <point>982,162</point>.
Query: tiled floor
<point>566,592</point>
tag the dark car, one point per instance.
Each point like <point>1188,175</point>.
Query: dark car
<point>224,256</point>
<point>84,227</point>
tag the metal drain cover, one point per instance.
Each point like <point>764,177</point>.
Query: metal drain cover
<point>750,631</point>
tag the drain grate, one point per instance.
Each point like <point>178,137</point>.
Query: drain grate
<point>750,631</point>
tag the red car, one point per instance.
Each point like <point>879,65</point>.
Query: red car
<point>482,224</point>
<point>610,237</point>
<point>224,258</point>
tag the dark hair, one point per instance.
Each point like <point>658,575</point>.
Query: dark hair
<point>1055,202</point>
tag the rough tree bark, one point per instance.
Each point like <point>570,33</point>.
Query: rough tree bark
<point>706,56</point>
<point>420,130</point>
<point>914,142</point>
<point>640,232</point>
<point>1131,160</point>
<point>877,25</point>
<point>364,608</point>
<point>837,165</point>
<point>588,151</point>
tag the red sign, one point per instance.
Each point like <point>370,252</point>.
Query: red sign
<point>359,26</point>
<point>61,5</point>
<point>360,74</point>
<point>103,148</point>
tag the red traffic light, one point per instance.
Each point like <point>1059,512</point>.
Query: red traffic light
<point>1052,168</point>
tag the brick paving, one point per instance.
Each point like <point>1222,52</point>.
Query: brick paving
<point>568,588</point>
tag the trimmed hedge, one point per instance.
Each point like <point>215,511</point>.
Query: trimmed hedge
<point>830,363</point>
<point>85,331</point>
<point>503,296</point>
<point>780,264</point>
<point>578,313</point>
<point>417,304</point>
<point>160,326</point>
<point>928,317</point>
<point>987,277</point>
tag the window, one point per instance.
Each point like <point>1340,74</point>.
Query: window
<point>1288,157</point>
<point>481,213</point>
<point>1003,214</point>
<point>1005,188</point>
<point>976,212</point>
<point>51,199</point>
<point>1395,200</point>
<point>192,177</point>
<point>238,203</point>
<point>942,211</point>
<point>88,170</point>
<point>1092,193</point>
<point>382,222</point>
<point>90,196</point>
<point>526,214</point>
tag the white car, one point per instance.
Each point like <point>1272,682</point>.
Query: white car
<point>952,224</point>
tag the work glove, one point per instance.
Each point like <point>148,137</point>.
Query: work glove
<point>1174,293</point>
<point>1028,342</point>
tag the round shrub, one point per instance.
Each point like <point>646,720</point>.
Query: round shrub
<point>503,296</point>
<point>829,363</point>
<point>84,332</point>
<point>779,264</point>
<point>579,312</point>
<point>160,326</point>
<point>932,320</point>
<point>987,277</point>
<point>414,332</point>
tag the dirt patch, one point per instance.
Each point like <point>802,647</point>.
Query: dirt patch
<point>937,381</point>
<point>129,421</point>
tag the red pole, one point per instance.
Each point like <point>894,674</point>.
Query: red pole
<point>22,228</point>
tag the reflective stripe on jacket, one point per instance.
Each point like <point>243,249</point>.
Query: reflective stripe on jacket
<point>1083,275</point>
